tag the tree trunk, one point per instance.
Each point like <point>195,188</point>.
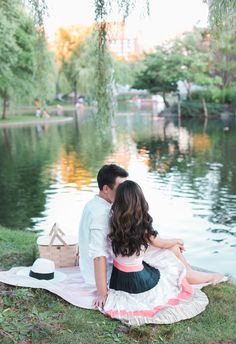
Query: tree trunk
<point>179,105</point>
<point>204,108</point>
<point>188,87</point>
<point>165,100</point>
<point>205,124</point>
<point>75,92</point>
<point>189,95</point>
<point>5,104</point>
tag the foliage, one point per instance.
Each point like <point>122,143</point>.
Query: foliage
<point>79,71</point>
<point>17,56</point>
<point>217,95</point>
<point>39,9</point>
<point>124,8</point>
<point>197,60</point>
<point>221,12</point>
<point>186,58</point>
<point>212,94</point>
<point>77,63</point>
<point>44,82</point>
<point>124,72</point>
<point>27,67</point>
<point>224,55</point>
<point>104,78</point>
<point>68,40</point>
<point>160,72</point>
<point>230,95</point>
<point>193,108</point>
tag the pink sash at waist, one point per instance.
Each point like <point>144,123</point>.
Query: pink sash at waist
<point>127,268</point>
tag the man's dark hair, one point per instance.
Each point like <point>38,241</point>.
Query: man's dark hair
<point>108,173</point>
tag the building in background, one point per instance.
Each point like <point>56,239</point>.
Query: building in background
<point>123,43</point>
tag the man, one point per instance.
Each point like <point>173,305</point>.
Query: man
<point>95,253</point>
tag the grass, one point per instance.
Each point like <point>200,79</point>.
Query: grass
<point>30,118</point>
<point>27,114</point>
<point>37,316</point>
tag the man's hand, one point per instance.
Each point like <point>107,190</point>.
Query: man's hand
<point>100,301</point>
<point>101,281</point>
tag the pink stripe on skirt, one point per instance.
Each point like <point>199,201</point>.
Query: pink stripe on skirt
<point>185,294</point>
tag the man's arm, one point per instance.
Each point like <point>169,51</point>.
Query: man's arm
<point>100,271</point>
<point>98,250</point>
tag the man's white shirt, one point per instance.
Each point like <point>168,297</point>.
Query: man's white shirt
<point>93,242</point>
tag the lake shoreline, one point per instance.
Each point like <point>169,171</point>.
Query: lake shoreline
<point>37,121</point>
<point>32,315</point>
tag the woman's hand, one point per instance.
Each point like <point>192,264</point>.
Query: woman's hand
<point>180,244</point>
<point>167,243</point>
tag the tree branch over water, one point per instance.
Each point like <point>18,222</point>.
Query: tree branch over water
<point>104,75</point>
<point>39,9</point>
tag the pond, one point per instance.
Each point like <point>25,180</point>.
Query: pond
<point>187,170</point>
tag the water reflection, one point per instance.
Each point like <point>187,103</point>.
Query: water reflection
<point>73,172</point>
<point>194,169</point>
<point>187,171</point>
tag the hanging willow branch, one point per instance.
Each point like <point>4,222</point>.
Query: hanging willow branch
<point>39,9</point>
<point>222,13</point>
<point>104,70</point>
<point>103,79</point>
<point>125,7</point>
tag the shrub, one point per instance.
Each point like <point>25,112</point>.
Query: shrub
<point>230,95</point>
<point>195,108</point>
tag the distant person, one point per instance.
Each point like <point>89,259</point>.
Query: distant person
<point>158,104</point>
<point>148,283</point>
<point>79,106</point>
<point>59,110</point>
<point>45,114</point>
<point>38,111</point>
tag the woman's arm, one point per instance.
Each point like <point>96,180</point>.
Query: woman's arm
<point>166,243</point>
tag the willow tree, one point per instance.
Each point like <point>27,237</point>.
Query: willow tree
<point>104,69</point>
<point>17,54</point>
<point>222,12</point>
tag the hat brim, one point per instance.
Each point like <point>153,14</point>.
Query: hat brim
<point>58,276</point>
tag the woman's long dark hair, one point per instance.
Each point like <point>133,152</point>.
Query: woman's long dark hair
<point>130,222</point>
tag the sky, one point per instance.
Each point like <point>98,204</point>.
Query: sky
<point>167,18</point>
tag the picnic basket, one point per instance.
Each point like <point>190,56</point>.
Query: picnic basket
<point>61,248</point>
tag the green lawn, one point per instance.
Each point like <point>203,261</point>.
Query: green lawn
<point>37,316</point>
<point>30,118</point>
<point>27,114</point>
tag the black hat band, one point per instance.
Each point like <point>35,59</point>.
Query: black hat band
<point>41,276</point>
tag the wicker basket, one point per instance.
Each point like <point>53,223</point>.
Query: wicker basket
<point>60,248</point>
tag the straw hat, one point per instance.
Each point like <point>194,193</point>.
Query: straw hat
<point>42,269</point>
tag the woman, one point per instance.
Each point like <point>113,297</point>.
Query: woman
<point>150,281</point>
